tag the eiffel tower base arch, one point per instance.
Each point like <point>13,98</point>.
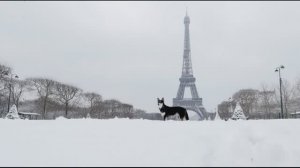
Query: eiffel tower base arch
<point>194,105</point>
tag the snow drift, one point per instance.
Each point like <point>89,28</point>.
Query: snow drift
<point>124,142</point>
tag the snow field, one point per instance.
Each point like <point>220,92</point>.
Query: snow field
<point>124,142</point>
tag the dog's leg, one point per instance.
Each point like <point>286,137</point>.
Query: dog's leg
<point>165,117</point>
<point>186,116</point>
<point>180,116</point>
<point>162,115</point>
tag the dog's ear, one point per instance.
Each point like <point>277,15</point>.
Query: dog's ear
<point>163,99</point>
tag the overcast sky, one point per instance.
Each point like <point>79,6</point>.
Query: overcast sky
<point>132,51</point>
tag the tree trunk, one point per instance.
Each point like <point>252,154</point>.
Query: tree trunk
<point>44,108</point>
<point>17,104</point>
<point>67,105</point>
<point>91,107</point>
<point>286,111</point>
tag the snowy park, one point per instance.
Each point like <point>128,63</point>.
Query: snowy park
<point>149,84</point>
<point>124,142</point>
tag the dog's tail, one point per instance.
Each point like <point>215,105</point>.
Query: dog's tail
<point>186,115</point>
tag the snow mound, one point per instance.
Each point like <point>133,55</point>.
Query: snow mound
<point>61,118</point>
<point>13,113</point>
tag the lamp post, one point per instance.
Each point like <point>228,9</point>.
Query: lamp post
<point>10,81</point>
<point>280,83</point>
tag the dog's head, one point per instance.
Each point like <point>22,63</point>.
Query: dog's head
<point>160,103</point>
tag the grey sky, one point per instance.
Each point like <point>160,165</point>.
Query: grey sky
<point>133,51</point>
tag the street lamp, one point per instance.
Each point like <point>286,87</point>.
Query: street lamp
<point>10,82</point>
<point>280,83</point>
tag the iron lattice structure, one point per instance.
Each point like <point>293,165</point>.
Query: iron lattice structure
<point>187,80</point>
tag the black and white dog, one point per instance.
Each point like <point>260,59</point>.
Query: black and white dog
<point>169,111</point>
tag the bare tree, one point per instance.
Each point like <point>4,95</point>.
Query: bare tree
<point>110,108</point>
<point>297,88</point>
<point>17,89</point>
<point>94,100</point>
<point>247,99</point>
<point>45,88</point>
<point>267,99</point>
<point>139,113</point>
<point>287,95</point>
<point>4,88</point>
<point>127,110</point>
<point>224,110</point>
<point>4,71</point>
<point>65,94</point>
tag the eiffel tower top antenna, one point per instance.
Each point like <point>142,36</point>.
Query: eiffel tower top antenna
<point>186,11</point>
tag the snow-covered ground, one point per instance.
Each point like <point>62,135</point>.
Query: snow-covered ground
<point>123,142</point>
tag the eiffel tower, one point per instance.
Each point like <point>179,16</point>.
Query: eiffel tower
<point>188,80</point>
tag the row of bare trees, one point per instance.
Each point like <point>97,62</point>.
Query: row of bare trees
<point>72,97</point>
<point>55,99</point>
<point>50,89</point>
<point>45,88</point>
<point>264,103</point>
